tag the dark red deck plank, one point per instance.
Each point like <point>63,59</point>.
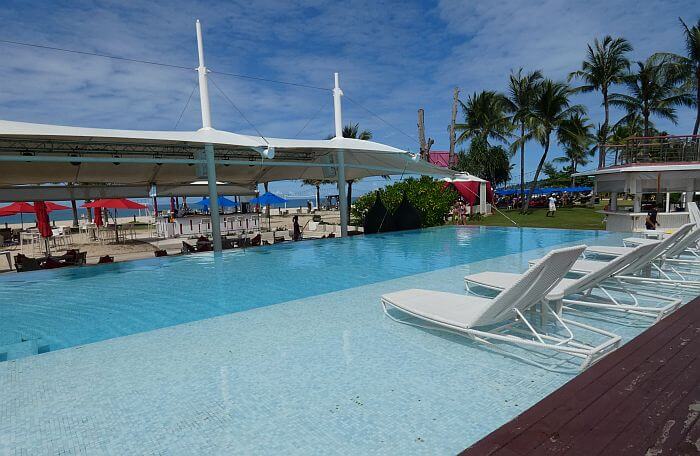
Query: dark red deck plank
<point>654,426</point>
<point>648,355</point>
<point>679,426</point>
<point>548,427</point>
<point>601,422</point>
<point>503,435</point>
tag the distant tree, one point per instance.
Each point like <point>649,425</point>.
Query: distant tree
<point>576,138</point>
<point>522,92</point>
<point>550,112</point>
<point>549,170</point>
<point>487,162</point>
<point>606,64</point>
<point>316,183</point>
<point>687,67</point>
<point>353,131</point>
<point>653,90</point>
<point>485,118</point>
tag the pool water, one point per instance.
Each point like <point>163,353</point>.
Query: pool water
<point>51,310</point>
<point>322,371</point>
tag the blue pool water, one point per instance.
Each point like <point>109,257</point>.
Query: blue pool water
<point>323,371</point>
<point>68,307</point>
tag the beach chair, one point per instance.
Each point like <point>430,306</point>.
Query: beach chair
<point>588,282</point>
<point>501,319</point>
<point>662,260</point>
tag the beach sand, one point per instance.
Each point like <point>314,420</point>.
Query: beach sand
<point>142,245</point>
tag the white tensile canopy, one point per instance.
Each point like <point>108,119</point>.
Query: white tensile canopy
<point>39,154</point>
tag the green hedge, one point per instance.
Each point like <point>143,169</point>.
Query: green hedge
<point>427,195</point>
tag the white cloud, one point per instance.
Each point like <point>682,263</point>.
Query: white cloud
<point>393,57</point>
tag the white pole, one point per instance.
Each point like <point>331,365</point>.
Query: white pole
<point>203,87</point>
<point>208,148</point>
<point>340,156</point>
<point>668,202</point>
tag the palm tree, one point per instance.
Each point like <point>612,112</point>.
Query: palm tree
<point>353,131</point>
<point>551,110</point>
<point>484,118</point>
<point>653,90</point>
<point>688,67</point>
<point>522,92</point>
<point>605,65</point>
<point>316,183</point>
<point>576,139</point>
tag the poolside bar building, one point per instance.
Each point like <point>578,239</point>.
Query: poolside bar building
<point>640,167</point>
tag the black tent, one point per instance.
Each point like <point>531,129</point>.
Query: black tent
<point>406,216</point>
<point>378,219</point>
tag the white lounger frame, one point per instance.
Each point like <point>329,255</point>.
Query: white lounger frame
<point>568,345</point>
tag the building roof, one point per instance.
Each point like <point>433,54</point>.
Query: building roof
<point>441,158</point>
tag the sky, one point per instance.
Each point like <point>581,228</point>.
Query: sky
<point>393,58</point>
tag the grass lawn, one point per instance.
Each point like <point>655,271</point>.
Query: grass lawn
<point>579,218</point>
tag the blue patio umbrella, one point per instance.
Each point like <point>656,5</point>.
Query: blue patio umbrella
<point>267,199</point>
<point>223,202</point>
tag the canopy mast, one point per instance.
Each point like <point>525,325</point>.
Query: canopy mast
<point>340,159</point>
<point>208,148</point>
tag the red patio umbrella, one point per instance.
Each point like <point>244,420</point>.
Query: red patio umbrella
<point>114,203</point>
<point>17,208</point>
<point>43,223</point>
<point>55,207</point>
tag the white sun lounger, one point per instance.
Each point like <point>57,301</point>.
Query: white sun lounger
<point>607,250</point>
<point>594,274</point>
<point>664,261</point>
<point>487,320</point>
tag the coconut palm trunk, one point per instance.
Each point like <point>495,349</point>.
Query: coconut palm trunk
<point>604,128</point>
<point>522,161</point>
<point>533,184</point>
<point>697,103</point>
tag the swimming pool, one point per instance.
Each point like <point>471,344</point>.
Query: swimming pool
<point>321,371</point>
<point>51,310</point>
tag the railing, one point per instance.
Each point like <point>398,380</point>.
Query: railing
<point>653,150</point>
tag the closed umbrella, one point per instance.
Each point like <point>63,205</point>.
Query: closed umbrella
<point>268,198</point>
<point>42,223</point>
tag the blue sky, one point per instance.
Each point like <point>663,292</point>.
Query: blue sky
<point>393,57</point>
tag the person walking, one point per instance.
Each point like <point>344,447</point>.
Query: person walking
<point>552,206</point>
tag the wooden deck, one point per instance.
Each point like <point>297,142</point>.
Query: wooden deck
<point>643,399</point>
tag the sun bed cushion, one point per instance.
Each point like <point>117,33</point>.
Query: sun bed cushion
<point>639,241</point>
<point>507,279</point>
<point>447,308</point>
<point>609,250</point>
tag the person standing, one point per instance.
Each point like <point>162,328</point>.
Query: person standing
<point>651,221</point>
<point>552,206</point>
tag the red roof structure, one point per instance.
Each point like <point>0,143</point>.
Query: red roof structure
<point>441,158</point>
